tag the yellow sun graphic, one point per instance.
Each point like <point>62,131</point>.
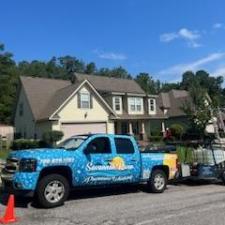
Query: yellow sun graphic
<point>118,163</point>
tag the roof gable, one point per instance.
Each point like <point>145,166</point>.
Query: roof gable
<point>46,96</point>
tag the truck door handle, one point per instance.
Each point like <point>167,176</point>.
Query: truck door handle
<point>133,160</point>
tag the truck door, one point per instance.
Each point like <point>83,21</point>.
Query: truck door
<point>127,160</point>
<point>98,157</point>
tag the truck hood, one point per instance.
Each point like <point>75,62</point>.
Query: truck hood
<point>40,153</point>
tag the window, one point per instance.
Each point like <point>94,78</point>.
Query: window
<point>21,109</point>
<point>117,103</point>
<point>135,104</point>
<point>99,145</point>
<point>152,105</point>
<point>124,146</point>
<point>73,143</point>
<point>84,100</point>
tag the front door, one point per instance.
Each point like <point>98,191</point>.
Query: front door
<point>124,127</point>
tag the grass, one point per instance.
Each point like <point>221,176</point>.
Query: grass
<point>4,154</point>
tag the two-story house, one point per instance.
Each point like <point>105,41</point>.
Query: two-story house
<point>86,104</point>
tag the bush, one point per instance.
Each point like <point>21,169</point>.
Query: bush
<point>24,144</point>
<point>177,131</point>
<point>155,138</point>
<point>156,133</point>
<point>51,137</point>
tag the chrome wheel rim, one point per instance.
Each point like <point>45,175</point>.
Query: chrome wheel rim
<point>54,191</point>
<point>159,182</point>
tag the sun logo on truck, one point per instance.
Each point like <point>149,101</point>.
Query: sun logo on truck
<point>118,163</point>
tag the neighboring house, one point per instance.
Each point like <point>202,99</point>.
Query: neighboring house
<point>171,104</point>
<point>86,104</point>
<point>6,132</point>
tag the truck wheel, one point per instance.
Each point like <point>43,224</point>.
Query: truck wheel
<point>223,177</point>
<point>157,182</point>
<point>52,190</point>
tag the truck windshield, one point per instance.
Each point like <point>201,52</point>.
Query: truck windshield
<point>72,143</point>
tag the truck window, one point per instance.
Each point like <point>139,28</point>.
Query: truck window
<point>124,146</point>
<point>99,145</point>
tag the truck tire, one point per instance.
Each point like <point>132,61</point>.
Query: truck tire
<point>158,181</point>
<point>223,177</point>
<point>52,190</point>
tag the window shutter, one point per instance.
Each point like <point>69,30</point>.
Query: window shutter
<point>78,101</point>
<point>91,101</point>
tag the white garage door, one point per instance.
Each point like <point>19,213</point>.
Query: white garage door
<point>84,128</point>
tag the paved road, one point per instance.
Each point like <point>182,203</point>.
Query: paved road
<point>183,204</point>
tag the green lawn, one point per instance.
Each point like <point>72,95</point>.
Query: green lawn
<point>4,154</point>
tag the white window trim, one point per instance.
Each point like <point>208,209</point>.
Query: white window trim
<point>151,112</point>
<point>114,104</point>
<point>89,99</point>
<point>135,103</point>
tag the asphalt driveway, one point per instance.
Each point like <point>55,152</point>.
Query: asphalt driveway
<point>182,204</point>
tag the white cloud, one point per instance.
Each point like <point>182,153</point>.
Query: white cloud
<point>218,26</point>
<point>177,70</point>
<point>110,55</point>
<point>219,72</point>
<point>189,36</point>
<point>167,37</point>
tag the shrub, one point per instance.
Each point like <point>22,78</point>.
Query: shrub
<point>177,130</point>
<point>51,137</point>
<point>24,144</point>
<point>156,133</point>
<point>155,138</point>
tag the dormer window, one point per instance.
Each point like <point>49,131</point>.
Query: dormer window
<point>152,106</point>
<point>117,104</point>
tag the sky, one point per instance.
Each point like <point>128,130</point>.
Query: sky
<point>162,37</point>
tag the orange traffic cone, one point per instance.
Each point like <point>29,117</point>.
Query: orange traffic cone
<point>9,216</point>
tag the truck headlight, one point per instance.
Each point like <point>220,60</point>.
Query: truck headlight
<point>28,165</point>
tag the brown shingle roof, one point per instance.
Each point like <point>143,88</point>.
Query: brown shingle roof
<point>174,100</point>
<point>110,84</point>
<point>57,100</point>
<point>40,92</point>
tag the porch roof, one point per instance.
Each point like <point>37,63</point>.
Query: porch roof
<point>138,117</point>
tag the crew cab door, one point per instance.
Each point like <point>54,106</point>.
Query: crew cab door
<point>98,156</point>
<point>127,160</point>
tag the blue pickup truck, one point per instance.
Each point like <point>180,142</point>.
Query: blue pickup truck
<point>86,161</point>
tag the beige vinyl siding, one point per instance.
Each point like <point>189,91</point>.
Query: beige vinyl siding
<point>70,113</point>
<point>24,124</point>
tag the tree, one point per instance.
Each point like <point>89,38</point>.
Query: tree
<point>165,87</point>
<point>90,68</point>
<point>198,108</point>
<point>212,85</point>
<point>7,85</point>
<point>117,72</point>
<point>147,83</point>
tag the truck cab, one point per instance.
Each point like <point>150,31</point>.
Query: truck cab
<point>86,161</point>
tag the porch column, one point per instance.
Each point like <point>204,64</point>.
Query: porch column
<point>130,128</point>
<point>163,128</point>
<point>145,138</point>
